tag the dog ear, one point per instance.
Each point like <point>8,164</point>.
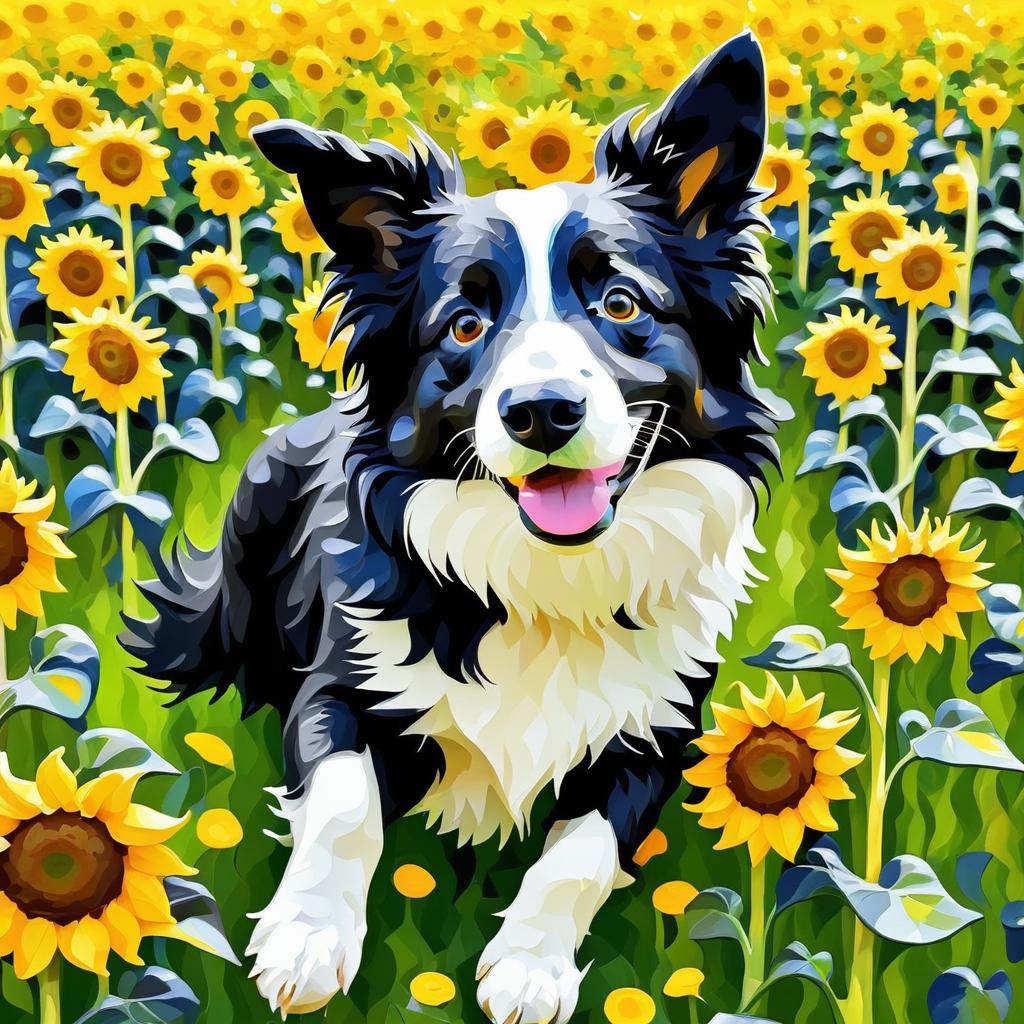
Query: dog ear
<point>699,152</point>
<point>363,200</point>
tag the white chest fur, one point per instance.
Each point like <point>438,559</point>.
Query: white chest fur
<point>562,676</point>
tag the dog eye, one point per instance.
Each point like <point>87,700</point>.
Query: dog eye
<point>467,328</point>
<point>620,306</point>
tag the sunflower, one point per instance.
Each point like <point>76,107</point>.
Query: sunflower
<point>315,70</point>
<point>848,355</point>
<point>550,144</point>
<point>879,138</point>
<point>955,51</point>
<point>951,190</point>
<point>79,270</point>
<point>82,868</point>
<point>81,55</point>
<point>356,37</point>
<point>63,107</point>
<point>918,268</point>
<point>864,225</point>
<point>1011,409</point>
<point>835,69</point>
<point>136,80</point>
<point>225,184</point>
<point>29,548</point>
<point>190,110</point>
<point>831,107</point>
<point>22,198</point>
<point>920,79</point>
<point>291,220</point>
<point>483,130</point>
<point>113,358</point>
<point>785,86</point>
<point>313,331</point>
<point>18,81</point>
<point>906,588</point>
<point>872,33</point>
<point>786,172</point>
<point>591,58</point>
<point>224,274</point>
<point>988,106</point>
<point>772,766</point>
<point>226,77</point>
<point>252,113</point>
<point>120,162</point>
<point>661,68</point>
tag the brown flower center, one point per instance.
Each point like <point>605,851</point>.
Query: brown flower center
<point>315,72</point>
<point>874,34</point>
<point>921,81</point>
<point>229,79</point>
<point>81,273</point>
<point>13,551</point>
<point>878,139</point>
<point>303,226</point>
<point>17,83</point>
<point>387,108</point>
<point>433,29</point>
<point>217,279</point>
<point>782,176</point>
<point>770,770</point>
<point>779,88</point>
<point>835,72</point>
<point>191,111</point>
<point>922,268</point>
<point>869,232</point>
<point>12,198</point>
<point>62,867</point>
<point>912,589</point>
<point>35,13</point>
<point>646,31</point>
<point>121,163</point>
<point>988,105</point>
<point>358,36</point>
<point>494,133</point>
<point>226,184</point>
<point>846,353</point>
<point>810,34</point>
<point>68,112</point>
<point>955,50</point>
<point>550,153</point>
<point>135,80</point>
<point>112,355</point>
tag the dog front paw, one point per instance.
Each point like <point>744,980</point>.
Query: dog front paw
<point>520,987</point>
<point>301,963</point>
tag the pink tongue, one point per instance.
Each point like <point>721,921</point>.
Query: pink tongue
<point>568,501</point>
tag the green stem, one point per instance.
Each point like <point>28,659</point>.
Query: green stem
<point>102,989</point>
<point>49,993</point>
<point>126,484</point>
<point>753,976</point>
<point>7,340</point>
<point>940,106</point>
<point>307,271</point>
<point>985,172</point>
<point>803,247</point>
<point>3,657</point>
<point>877,182</point>
<point>216,348</point>
<point>843,438</point>
<point>905,460</point>
<point>235,234</point>
<point>858,280</point>
<point>128,244</point>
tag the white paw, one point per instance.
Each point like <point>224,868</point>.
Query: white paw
<point>303,960</point>
<point>519,987</point>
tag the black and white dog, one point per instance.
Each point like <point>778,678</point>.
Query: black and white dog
<point>503,561</point>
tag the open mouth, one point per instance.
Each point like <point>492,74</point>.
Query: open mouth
<point>567,506</point>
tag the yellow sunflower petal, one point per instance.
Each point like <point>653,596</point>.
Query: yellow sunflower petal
<point>836,760</point>
<point>160,861</point>
<point>708,772</point>
<point>86,944</point>
<point>123,929</point>
<point>815,813</point>
<point>35,947</point>
<point>56,782</point>
<point>146,897</point>
<point>140,825</point>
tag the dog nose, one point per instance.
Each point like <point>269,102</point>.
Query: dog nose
<point>544,418</point>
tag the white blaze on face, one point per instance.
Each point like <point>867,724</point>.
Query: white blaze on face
<point>545,348</point>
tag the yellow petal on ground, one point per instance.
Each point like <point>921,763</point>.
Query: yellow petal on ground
<point>673,897</point>
<point>140,825</point>
<point>684,982</point>
<point>160,861</point>
<point>123,929</point>
<point>814,810</point>
<point>219,829</point>
<point>56,782</point>
<point>413,882</point>
<point>146,898</point>
<point>432,989</point>
<point>86,944</point>
<point>654,845</point>
<point>35,947</point>
<point>211,748</point>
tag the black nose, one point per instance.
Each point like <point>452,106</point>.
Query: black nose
<point>543,417</point>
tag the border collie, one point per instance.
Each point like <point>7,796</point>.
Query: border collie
<point>502,561</point>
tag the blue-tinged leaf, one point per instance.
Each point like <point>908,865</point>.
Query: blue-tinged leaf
<point>963,736</point>
<point>994,324</point>
<point>979,492</point>
<point>970,869</point>
<point>182,291</point>
<point>805,649</point>
<point>853,497</point>
<point>957,996</point>
<point>989,240</point>
<point>975,362</point>
<point>992,661</point>
<point>198,917</point>
<point>715,914</point>
<point>159,234</point>
<point>1004,217</point>
<point>194,438</point>
<point>32,352</point>
<point>89,494</point>
<point>873,407</point>
<point>819,449</point>
<point>150,995</point>
<point>64,672</point>
<point>243,339</point>
<point>797,961</point>
<point>117,750</point>
<point>958,429</point>
<point>200,388</point>
<point>60,415</point>
<point>260,368</point>
<point>1003,610</point>
<point>739,1018</point>
<point>1012,919</point>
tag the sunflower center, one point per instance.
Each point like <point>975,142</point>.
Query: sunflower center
<point>135,80</point>
<point>955,50</point>
<point>304,226</point>
<point>494,133</point>
<point>846,353</point>
<point>191,111</point>
<point>912,589</point>
<point>878,139</point>
<point>782,176</point>
<point>550,153</point>
<point>229,79</point>
<point>874,34</point>
<point>770,770</point>
<point>869,233</point>
<point>13,550</point>
<point>921,81</point>
<point>62,867</point>
<point>225,184</point>
<point>358,36</point>
<point>17,83</point>
<point>922,267</point>
<point>81,273</point>
<point>836,73</point>
<point>121,163</point>
<point>217,280</point>
<point>778,87</point>
<point>67,112</point>
<point>387,108</point>
<point>315,71</point>
<point>12,198</point>
<point>988,105</point>
<point>112,355</point>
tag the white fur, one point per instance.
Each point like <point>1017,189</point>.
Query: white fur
<point>529,967</point>
<point>308,940</point>
<point>563,676</point>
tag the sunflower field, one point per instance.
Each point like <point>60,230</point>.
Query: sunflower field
<point>849,843</point>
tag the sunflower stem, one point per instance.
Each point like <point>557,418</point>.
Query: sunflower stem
<point>904,469</point>
<point>843,437</point>
<point>102,989</point>
<point>128,245</point>
<point>803,247</point>
<point>858,280</point>
<point>753,976</point>
<point>985,172</point>
<point>216,348</point>
<point>7,341</point>
<point>877,182</point>
<point>307,271</point>
<point>235,234</point>
<point>126,485</point>
<point>49,993</point>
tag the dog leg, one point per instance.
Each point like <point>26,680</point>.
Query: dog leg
<point>308,940</point>
<point>528,972</point>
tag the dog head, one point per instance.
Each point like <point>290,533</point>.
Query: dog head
<point>559,341</point>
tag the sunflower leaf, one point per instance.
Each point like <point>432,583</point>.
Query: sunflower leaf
<point>962,735</point>
<point>193,438</point>
<point>980,493</point>
<point>957,996</point>
<point>198,917</point>
<point>797,961</point>
<point>739,1018</point>
<point>805,649</point>
<point>110,750</point>
<point>1012,919</point>
<point>200,388</point>
<point>958,429</point>
<point>182,292</point>
<point>715,914</point>
<point>152,995</point>
<point>60,415</point>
